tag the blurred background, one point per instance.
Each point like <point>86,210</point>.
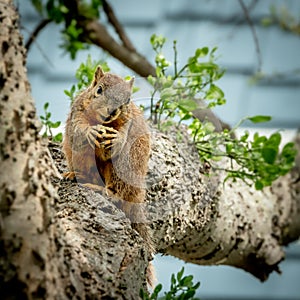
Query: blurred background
<point>262,77</point>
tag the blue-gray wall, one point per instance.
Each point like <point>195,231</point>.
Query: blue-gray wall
<point>194,24</point>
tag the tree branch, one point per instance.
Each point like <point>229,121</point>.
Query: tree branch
<point>245,10</point>
<point>118,27</point>
<point>97,34</point>
<point>36,32</point>
<point>201,221</point>
<point>192,215</point>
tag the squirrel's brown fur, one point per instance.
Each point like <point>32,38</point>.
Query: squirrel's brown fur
<point>107,145</point>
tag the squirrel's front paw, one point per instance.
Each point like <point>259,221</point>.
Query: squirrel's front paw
<point>101,136</point>
<point>118,143</point>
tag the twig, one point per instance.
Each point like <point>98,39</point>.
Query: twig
<point>236,18</point>
<point>39,48</point>
<point>35,33</point>
<point>116,24</point>
<point>97,34</point>
<point>246,12</point>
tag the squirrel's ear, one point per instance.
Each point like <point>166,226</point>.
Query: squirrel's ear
<point>130,82</point>
<point>97,76</point>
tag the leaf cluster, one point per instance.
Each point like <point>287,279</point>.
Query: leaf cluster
<point>178,89</point>
<point>61,12</point>
<point>257,161</point>
<point>49,125</point>
<point>283,18</point>
<point>181,288</point>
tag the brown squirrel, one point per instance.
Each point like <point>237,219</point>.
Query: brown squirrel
<point>107,146</point>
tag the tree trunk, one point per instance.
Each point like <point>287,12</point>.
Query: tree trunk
<point>28,260</point>
<point>63,241</point>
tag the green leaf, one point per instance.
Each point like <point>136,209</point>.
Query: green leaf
<point>245,136</point>
<point>187,105</point>
<point>151,80</point>
<point>143,295</point>
<point>196,286</point>
<point>274,140</point>
<point>157,41</point>
<point>46,105</point>
<point>189,294</point>
<point>156,291</point>
<point>167,93</point>
<point>260,119</point>
<point>56,124</point>
<point>289,153</point>
<point>187,281</point>
<point>269,155</point>
<point>229,147</point>
<point>67,93</point>
<point>185,116</point>
<point>201,52</point>
<point>58,137</point>
<point>208,127</point>
<point>259,185</point>
<point>173,279</point>
<point>214,92</point>
<point>257,140</point>
<point>180,274</point>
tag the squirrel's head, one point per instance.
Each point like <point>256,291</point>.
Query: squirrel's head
<point>109,95</point>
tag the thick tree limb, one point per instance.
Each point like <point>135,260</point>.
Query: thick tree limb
<point>200,221</point>
<point>193,217</point>
<point>97,34</point>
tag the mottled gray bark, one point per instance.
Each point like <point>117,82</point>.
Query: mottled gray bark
<point>201,221</point>
<point>28,262</point>
<point>59,240</point>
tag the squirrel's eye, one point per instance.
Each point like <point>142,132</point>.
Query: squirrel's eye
<point>99,90</point>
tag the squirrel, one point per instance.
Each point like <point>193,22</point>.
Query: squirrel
<point>107,147</point>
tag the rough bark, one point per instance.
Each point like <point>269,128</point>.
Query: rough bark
<point>201,221</point>
<point>193,218</point>
<point>74,243</point>
<point>27,241</point>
